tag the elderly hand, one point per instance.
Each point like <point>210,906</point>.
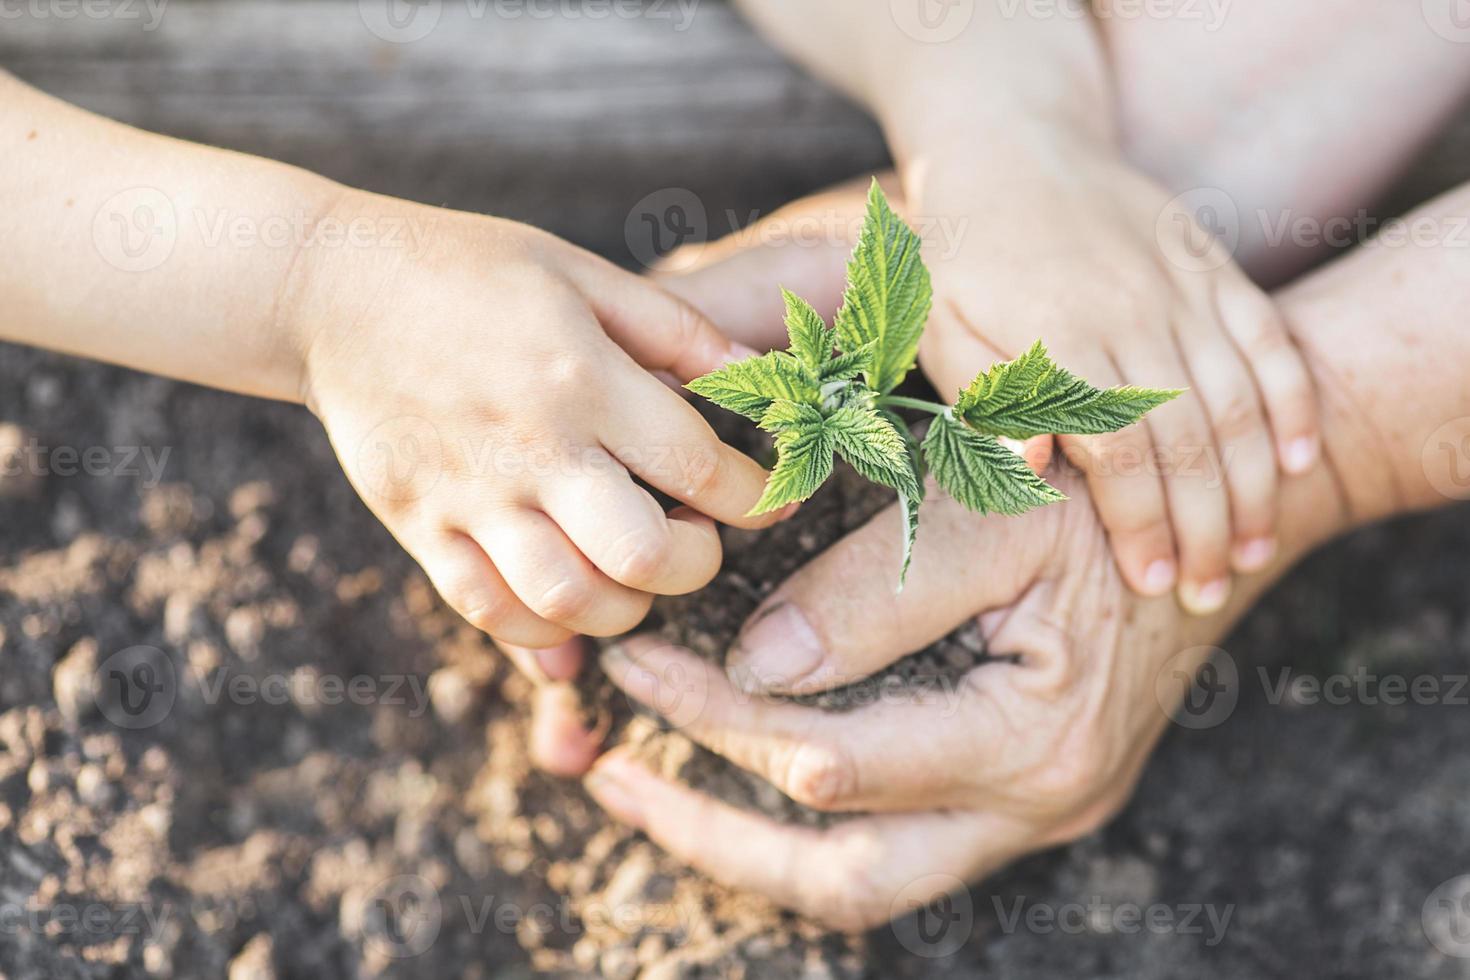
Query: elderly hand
<point>1039,750</point>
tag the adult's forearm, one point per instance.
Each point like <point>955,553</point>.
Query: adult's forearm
<point>150,252</point>
<point>981,76</point>
<point>1270,102</point>
<point>1381,330</point>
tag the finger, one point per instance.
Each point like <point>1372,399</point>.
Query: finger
<point>733,280</point>
<point>1247,463</point>
<point>1199,509</point>
<point>664,441</point>
<point>472,586</point>
<point>857,760</point>
<point>1257,328</point>
<point>625,533</point>
<point>827,626</point>
<point>658,329</point>
<point>555,580</point>
<point>562,662</point>
<point>855,875</point>
<point>560,743</point>
<point>1123,478</point>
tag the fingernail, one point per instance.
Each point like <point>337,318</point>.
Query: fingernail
<point>1202,600</point>
<point>1160,576</point>
<point>1301,454</point>
<point>1254,555</point>
<point>613,795</point>
<point>777,649</point>
<point>787,512</point>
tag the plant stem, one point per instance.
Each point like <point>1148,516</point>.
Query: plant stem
<point>899,401</point>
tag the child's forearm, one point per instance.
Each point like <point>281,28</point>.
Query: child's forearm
<point>150,252</point>
<point>980,77</point>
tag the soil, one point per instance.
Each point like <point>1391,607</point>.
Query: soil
<point>256,829</point>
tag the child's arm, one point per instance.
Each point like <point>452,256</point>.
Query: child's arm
<point>1002,126</point>
<point>487,386</point>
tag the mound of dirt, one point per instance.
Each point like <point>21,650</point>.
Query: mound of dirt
<point>240,736</point>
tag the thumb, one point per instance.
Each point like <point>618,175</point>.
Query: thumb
<point>659,330</point>
<point>840,618</point>
<point>803,246</point>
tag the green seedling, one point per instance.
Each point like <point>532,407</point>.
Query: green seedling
<point>831,394</point>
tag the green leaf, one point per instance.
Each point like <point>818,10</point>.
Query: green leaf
<point>803,462</point>
<point>980,473</point>
<point>845,367</point>
<point>909,498</point>
<point>888,295</point>
<point>785,414</point>
<point>750,386</point>
<point>811,339</point>
<point>1033,396</point>
<point>873,446</point>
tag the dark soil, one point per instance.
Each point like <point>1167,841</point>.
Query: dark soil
<point>288,837</point>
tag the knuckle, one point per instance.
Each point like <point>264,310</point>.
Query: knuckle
<point>571,377</point>
<point>1240,417</point>
<point>566,601</point>
<point>1075,773</point>
<point>624,619</point>
<point>487,612</point>
<point>641,556</point>
<point>821,777</point>
<point>849,900</point>
<point>701,468</point>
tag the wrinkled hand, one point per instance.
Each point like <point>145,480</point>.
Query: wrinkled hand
<point>1019,756</point>
<point>1027,752</point>
<point>1059,238</point>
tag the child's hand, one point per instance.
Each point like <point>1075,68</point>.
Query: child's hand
<point>487,389</point>
<point>1076,248</point>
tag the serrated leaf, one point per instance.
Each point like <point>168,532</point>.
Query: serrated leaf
<point>785,414</point>
<point>811,339</point>
<point>888,295</point>
<point>908,499</point>
<point>750,386</point>
<point>845,367</point>
<point>1033,396</point>
<point>980,473</point>
<point>803,463</point>
<point>873,447</point>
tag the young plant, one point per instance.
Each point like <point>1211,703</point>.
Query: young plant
<point>831,393</point>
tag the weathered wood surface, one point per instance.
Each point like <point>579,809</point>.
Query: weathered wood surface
<point>541,110</point>
<point>564,121</point>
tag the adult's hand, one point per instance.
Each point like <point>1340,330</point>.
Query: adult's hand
<point>1037,751</point>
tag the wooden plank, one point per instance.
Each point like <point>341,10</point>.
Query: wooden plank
<point>567,122</point>
<point>564,120</point>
